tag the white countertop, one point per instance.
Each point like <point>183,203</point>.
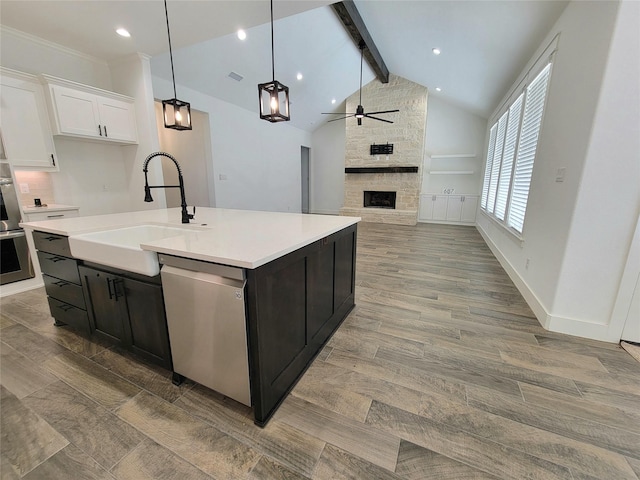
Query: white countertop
<point>51,207</point>
<point>241,238</point>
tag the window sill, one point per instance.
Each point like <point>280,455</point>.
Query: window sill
<point>516,236</point>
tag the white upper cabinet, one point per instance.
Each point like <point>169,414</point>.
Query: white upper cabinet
<point>76,112</point>
<point>118,119</point>
<point>24,122</point>
<point>90,113</point>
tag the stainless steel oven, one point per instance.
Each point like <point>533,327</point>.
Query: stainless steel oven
<point>15,262</point>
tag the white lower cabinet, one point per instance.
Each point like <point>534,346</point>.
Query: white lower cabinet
<point>448,208</point>
<point>33,215</point>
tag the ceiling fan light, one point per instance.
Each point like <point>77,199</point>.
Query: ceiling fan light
<point>274,101</point>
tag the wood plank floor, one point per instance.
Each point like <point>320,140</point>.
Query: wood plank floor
<point>440,372</point>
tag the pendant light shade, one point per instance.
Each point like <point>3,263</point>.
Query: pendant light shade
<point>177,114</point>
<point>273,96</point>
<point>274,101</point>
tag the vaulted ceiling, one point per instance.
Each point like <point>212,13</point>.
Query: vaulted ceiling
<point>484,44</point>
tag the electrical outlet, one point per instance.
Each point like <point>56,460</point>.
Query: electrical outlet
<point>222,176</point>
<point>24,188</point>
<point>105,188</point>
<point>560,174</point>
<point>526,264</point>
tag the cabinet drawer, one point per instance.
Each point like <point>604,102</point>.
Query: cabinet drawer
<point>60,267</point>
<point>65,291</point>
<point>69,314</point>
<point>45,215</point>
<point>52,243</point>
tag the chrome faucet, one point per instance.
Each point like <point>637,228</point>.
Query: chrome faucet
<point>147,189</point>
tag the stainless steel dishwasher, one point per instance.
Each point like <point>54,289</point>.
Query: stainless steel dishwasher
<point>207,326</point>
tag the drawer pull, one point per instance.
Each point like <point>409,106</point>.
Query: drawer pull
<point>61,283</point>
<point>66,308</point>
<point>55,216</point>
<point>57,259</point>
<point>51,239</point>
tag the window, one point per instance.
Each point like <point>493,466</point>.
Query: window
<point>512,150</point>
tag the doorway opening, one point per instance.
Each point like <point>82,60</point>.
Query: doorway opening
<point>304,170</point>
<point>192,149</point>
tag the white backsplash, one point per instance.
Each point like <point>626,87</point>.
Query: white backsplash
<point>39,185</point>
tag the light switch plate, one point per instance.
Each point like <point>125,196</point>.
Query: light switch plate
<point>560,175</point>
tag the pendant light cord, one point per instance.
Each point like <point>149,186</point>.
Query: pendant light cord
<point>173,76</point>
<point>273,63</point>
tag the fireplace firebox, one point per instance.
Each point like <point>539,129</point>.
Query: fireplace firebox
<point>373,199</point>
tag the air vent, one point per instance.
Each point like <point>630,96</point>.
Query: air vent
<point>236,76</point>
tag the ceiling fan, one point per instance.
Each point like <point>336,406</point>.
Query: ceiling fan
<point>359,114</point>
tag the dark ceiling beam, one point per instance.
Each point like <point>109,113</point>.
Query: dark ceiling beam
<point>352,21</point>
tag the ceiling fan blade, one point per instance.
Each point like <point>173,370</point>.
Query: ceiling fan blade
<point>341,118</point>
<point>337,113</point>
<point>384,111</point>
<point>376,118</point>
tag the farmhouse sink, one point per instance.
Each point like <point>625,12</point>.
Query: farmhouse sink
<point>120,248</point>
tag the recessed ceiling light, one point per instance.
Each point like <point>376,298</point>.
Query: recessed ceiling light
<point>438,89</point>
<point>333,100</point>
<point>436,51</point>
<point>299,76</point>
<point>242,34</point>
<point>123,32</point>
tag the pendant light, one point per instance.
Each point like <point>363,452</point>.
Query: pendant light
<point>273,96</point>
<point>177,114</point>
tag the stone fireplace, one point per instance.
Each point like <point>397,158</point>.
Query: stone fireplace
<point>399,173</point>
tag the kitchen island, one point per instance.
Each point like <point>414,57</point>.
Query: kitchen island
<point>297,277</point>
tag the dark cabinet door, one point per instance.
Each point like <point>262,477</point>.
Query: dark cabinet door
<point>106,304</point>
<point>319,289</point>
<point>149,334</point>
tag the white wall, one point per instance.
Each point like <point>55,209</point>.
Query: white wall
<point>30,54</point>
<point>90,178</point>
<point>608,202</point>
<point>192,149</point>
<point>260,160</point>
<point>577,233</point>
<point>452,130</point>
<point>92,175</point>
<point>327,167</point>
<point>131,76</point>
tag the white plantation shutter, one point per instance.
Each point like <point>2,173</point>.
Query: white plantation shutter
<point>497,162</point>
<point>487,170</point>
<point>510,143</point>
<point>531,122</point>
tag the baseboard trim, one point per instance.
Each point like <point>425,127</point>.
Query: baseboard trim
<point>553,323</point>
<point>325,212</point>
<point>19,287</point>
